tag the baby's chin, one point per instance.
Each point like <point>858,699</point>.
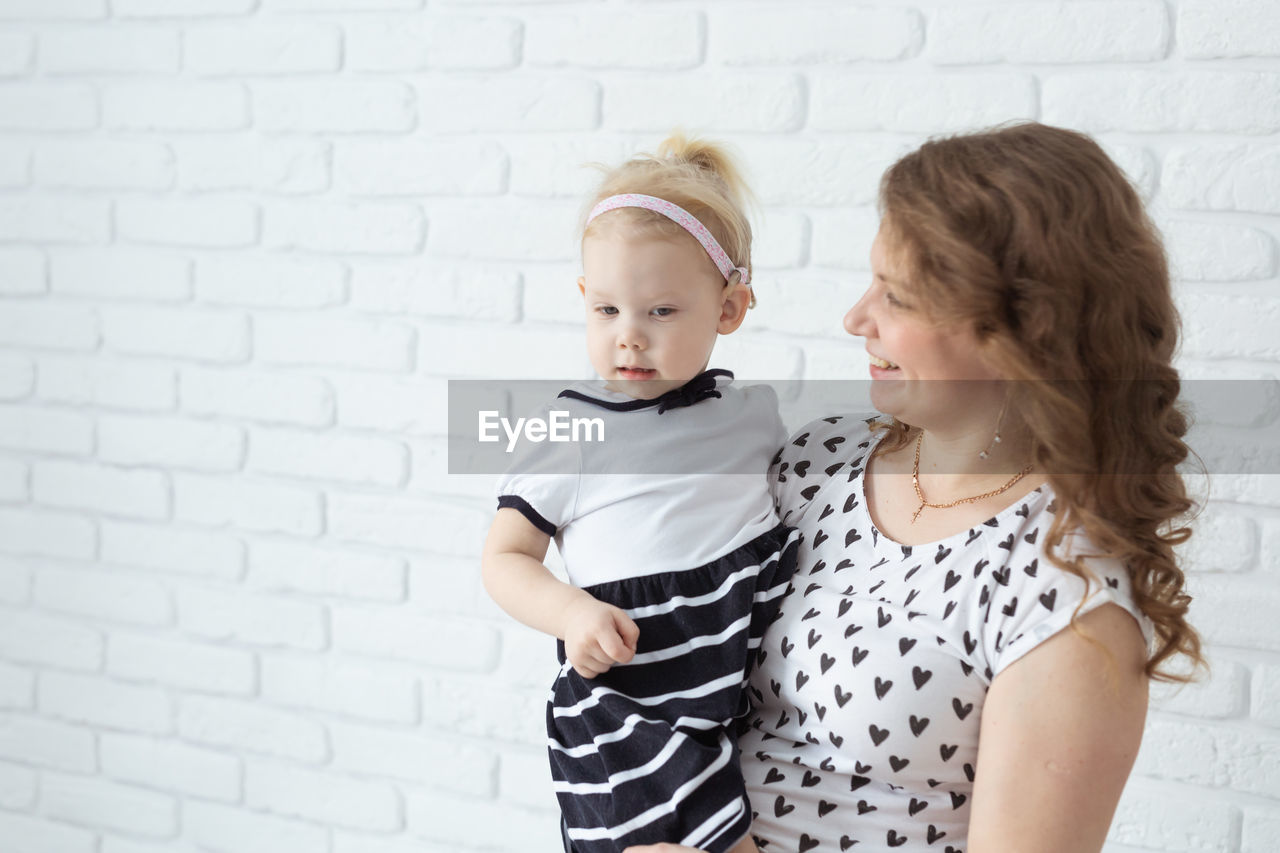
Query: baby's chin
<point>644,389</point>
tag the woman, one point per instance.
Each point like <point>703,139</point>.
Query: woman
<point>987,582</point>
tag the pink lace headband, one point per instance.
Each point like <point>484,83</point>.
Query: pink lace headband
<point>681,217</point>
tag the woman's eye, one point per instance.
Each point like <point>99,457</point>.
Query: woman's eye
<point>664,312</point>
<point>893,300</point>
<point>607,310</point>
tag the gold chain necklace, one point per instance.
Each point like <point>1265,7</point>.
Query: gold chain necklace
<point>915,481</point>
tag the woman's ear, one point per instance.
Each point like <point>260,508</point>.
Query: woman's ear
<point>734,308</point>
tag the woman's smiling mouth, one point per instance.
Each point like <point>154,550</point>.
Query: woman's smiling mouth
<point>876,361</point>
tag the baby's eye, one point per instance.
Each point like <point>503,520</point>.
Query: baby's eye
<point>664,312</point>
<point>607,310</point>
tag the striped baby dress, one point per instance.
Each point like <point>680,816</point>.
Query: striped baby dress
<point>646,752</point>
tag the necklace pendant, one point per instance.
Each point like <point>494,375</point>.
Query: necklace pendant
<point>916,514</point>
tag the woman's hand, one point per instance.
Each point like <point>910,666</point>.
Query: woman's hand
<point>598,635</point>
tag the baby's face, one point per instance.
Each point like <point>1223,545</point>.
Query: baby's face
<point>654,307</point>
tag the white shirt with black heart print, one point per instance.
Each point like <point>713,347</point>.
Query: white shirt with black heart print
<point>869,692</point>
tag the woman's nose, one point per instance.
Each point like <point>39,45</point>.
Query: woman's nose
<point>857,320</point>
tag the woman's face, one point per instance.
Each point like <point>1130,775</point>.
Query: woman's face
<point>925,371</point>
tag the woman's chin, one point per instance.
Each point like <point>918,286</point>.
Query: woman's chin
<point>889,396</point>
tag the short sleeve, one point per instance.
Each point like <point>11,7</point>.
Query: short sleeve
<point>764,410</point>
<point>542,483</point>
<point>811,456</point>
<point>1033,599</point>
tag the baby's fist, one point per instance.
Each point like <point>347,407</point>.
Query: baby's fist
<point>598,635</point>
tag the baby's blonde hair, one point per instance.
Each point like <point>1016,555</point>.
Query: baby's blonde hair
<point>695,174</point>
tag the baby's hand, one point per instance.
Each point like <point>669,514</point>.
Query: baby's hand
<point>598,635</point>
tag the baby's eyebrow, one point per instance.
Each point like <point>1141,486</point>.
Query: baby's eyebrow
<point>663,298</point>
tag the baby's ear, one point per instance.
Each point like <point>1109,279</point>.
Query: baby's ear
<point>582,286</point>
<point>734,308</point>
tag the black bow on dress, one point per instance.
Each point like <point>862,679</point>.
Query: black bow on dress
<point>700,387</point>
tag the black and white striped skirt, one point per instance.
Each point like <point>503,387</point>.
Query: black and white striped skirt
<point>646,752</point>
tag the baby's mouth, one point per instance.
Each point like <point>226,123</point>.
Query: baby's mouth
<point>636,372</point>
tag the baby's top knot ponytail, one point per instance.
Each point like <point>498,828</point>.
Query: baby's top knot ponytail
<point>709,157</point>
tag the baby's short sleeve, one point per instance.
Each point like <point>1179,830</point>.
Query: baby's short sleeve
<point>542,483</point>
<point>763,414</point>
<point>1033,599</point>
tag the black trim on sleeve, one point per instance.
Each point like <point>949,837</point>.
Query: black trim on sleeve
<point>522,506</point>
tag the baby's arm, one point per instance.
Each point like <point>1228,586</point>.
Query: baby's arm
<point>596,635</point>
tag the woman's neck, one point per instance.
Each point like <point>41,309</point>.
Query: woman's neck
<point>951,466</point>
<point>973,452</point>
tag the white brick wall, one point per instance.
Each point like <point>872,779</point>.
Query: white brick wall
<point>245,243</point>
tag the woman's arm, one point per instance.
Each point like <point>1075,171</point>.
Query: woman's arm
<point>596,635</point>
<point>1060,730</point>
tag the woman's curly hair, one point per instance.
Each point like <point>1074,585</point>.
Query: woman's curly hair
<point>1035,239</point>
